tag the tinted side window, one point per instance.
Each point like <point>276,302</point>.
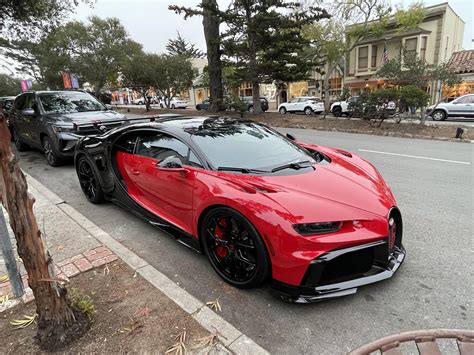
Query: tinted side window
<point>463,100</point>
<point>161,146</point>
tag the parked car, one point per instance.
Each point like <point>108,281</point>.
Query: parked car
<point>461,107</point>
<point>6,104</point>
<point>204,105</point>
<point>339,108</point>
<point>138,101</point>
<point>175,102</point>
<point>46,120</point>
<point>347,107</point>
<point>306,104</point>
<point>248,101</point>
<point>319,222</point>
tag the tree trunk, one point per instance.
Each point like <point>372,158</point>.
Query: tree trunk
<point>211,22</point>
<point>327,103</point>
<point>97,87</point>
<point>257,105</point>
<point>58,322</point>
<point>147,101</point>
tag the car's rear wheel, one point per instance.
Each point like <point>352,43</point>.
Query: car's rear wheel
<point>337,111</point>
<point>49,153</point>
<point>19,145</point>
<point>251,110</point>
<point>89,181</point>
<point>308,111</point>
<point>282,111</point>
<point>234,248</point>
<point>439,115</point>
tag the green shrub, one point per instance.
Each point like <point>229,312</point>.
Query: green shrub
<point>82,302</point>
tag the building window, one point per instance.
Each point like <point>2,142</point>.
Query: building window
<point>363,57</point>
<point>374,57</point>
<point>411,44</point>
<point>424,40</point>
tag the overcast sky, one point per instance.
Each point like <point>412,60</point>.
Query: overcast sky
<point>150,23</point>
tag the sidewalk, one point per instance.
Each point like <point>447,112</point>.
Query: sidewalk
<point>77,246</point>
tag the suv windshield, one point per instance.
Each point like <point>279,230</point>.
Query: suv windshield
<point>69,101</point>
<point>247,145</point>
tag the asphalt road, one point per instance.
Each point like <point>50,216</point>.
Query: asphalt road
<point>433,183</point>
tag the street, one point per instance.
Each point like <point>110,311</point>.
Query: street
<point>433,184</point>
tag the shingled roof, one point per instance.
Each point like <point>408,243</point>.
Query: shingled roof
<point>462,62</point>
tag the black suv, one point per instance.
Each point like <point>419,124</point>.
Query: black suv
<point>46,120</point>
<point>248,100</point>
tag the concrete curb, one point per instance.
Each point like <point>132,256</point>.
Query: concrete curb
<point>229,336</point>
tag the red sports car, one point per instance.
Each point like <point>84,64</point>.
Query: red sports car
<point>319,222</point>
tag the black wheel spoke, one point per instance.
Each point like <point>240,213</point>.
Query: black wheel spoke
<point>231,247</point>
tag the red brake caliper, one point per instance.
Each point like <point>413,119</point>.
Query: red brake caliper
<point>221,250</point>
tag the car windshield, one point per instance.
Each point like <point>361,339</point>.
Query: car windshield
<point>71,101</point>
<point>247,145</point>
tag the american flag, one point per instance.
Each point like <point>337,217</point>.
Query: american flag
<point>385,54</point>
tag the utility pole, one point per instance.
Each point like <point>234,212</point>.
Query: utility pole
<point>9,257</point>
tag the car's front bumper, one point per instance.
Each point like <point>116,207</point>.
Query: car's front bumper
<point>340,272</point>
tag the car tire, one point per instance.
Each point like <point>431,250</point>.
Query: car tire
<point>198,108</point>
<point>19,145</point>
<point>337,111</point>
<point>282,111</point>
<point>308,111</point>
<point>250,109</point>
<point>89,181</point>
<point>438,115</point>
<point>220,229</point>
<point>51,156</point>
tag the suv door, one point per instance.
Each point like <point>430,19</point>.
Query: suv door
<point>460,107</point>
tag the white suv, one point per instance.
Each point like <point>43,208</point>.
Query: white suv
<point>306,104</point>
<point>175,102</point>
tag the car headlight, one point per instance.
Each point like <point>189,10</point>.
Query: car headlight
<point>317,228</point>
<point>58,129</point>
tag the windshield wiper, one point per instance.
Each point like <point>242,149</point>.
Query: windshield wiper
<point>294,165</point>
<point>241,170</point>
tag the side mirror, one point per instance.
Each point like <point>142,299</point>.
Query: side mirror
<point>28,112</point>
<point>171,163</point>
<point>291,137</point>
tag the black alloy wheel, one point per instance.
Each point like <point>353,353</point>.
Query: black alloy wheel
<point>19,145</point>
<point>234,248</point>
<point>89,182</point>
<point>49,153</point>
<point>337,111</point>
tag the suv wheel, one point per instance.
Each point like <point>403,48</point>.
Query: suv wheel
<point>308,111</point>
<point>439,115</point>
<point>49,153</point>
<point>282,110</point>
<point>250,109</point>
<point>337,111</point>
<point>20,146</point>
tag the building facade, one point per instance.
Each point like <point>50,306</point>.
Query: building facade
<point>463,64</point>
<point>435,39</point>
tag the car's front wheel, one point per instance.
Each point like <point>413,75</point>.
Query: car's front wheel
<point>439,115</point>
<point>51,156</point>
<point>308,111</point>
<point>89,181</point>
<point>337,111</point>
<point>282,111</point>
<point>234,248</point>
<point>19,145</point>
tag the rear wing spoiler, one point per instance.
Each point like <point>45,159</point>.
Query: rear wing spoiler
<point>101,126</point>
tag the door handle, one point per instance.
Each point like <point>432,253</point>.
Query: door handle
<point>135,171</point>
